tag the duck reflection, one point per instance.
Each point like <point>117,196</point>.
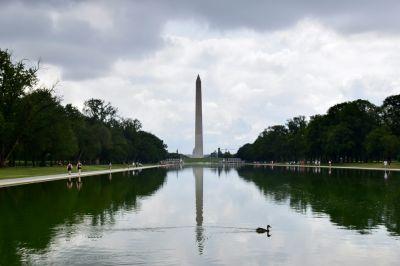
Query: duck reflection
<point>198,175</point>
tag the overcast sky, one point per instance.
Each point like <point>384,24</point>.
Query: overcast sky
<point>261,62</point>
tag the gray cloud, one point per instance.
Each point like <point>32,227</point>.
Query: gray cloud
<point>68,34</point>
<point>261,62</point>
<point>348,16</point>
<point>64,36</point>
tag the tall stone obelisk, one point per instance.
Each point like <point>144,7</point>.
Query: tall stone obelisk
<point>198,146</point>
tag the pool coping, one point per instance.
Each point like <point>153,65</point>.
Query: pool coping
<point>9,182</point>
<point>327,166</point>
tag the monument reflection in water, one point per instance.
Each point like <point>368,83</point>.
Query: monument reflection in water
<point>198,175</point>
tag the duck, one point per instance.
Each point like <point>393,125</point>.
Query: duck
<point>261,230</point>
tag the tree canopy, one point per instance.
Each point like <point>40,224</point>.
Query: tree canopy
<point>36,128</point>
<point>349,132</point>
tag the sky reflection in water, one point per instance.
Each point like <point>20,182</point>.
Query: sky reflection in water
<point>205,216</point>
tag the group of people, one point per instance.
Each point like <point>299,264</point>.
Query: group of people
<point>70,184</point>
<point>78,166</point>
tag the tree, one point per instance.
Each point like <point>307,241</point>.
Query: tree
<point>315,136</point>
<point>130,128</point>
<point>296,137</point>
<point>35,126</point>
<point>391,113</point>
<point>46,136</point>
<point>351,122</point>
<point>15,79</point>
<point>272,144</point>
<point>382,144</point>
<point>99,111</point>
<point>339,142</point>
<point>246,152</point>
<point>349,131</point>
<point>150,148</point>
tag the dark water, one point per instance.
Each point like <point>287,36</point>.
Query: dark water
<point>205,216</point>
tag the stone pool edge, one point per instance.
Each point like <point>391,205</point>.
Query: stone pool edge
<point>327,166</point>
<point>9,182</point>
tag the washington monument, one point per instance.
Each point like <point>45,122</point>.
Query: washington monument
<point>198,146</point>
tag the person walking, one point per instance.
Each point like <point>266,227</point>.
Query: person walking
<point>69,168</point>
<point>79,167</point>
<point>109,166</point>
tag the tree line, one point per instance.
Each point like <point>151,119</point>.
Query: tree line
<point>35,128</point>
<point>354,131</point>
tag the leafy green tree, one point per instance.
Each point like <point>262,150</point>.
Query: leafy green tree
<point>339,142</point>
<point>15,79</point>
<point>391,113</point>
<point>382,144</point>
<point>297,137</point>
<point>344,133</point>
<point>351,122</point>
<point>99,111</point>
<point>34,126</point>
<point>315,136</point>
<point>246,152</point>
<point>47,135</point>
<point>150,148</point>
<point>130,128</point>
<point>272,144</point>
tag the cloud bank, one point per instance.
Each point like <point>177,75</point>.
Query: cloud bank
<point>260,63</point>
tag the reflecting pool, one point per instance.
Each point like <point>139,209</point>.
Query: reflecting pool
<point>205,216</point>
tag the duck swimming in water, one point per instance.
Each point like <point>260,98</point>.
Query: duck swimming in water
<point>261,230</point>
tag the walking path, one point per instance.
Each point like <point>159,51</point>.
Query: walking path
<point>38,179</point>
<point>327,166</point>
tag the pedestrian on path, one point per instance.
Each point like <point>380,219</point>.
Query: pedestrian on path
<point>69,168</point>
<point>385,163</point>
<point>79,167</point>
<point>109,166</point>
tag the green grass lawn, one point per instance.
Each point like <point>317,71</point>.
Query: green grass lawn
<point>15,172</point>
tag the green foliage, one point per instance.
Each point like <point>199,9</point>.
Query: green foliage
<point>350,131</point>
<point>99,111</point>
<point>391,113</point>
<point>15,80</point>
<point>381,143</point>
<point>35,127</point>
<point>149,147</point>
